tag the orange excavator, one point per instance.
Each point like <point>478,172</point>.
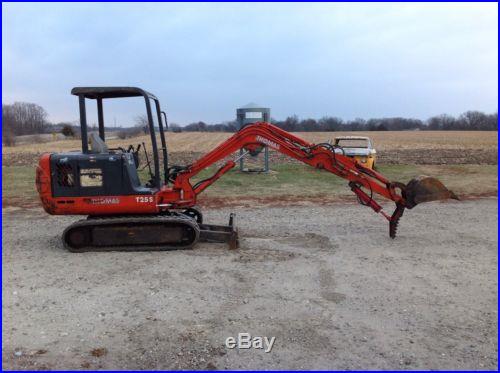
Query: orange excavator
<point>124,214</point>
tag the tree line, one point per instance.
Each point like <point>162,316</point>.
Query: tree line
<point>468,121</point>
<point>24,118</point>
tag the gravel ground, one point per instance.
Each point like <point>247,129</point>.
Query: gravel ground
<point>326,281</point>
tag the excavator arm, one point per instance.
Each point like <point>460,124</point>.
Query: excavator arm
<point>364,182</point>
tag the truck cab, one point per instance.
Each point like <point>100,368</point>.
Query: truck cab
<point>358,147</point>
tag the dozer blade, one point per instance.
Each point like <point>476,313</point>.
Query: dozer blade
<point>220,233</point>
<point>426,189</point>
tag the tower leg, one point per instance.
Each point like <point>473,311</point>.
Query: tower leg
<point>266,159</point>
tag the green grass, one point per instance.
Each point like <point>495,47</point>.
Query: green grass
<point>302,180</point>
<point>18,182</point>
<point>284,179</point>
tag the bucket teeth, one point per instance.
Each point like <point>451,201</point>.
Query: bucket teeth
<point>393,223</point>
<point>426,189</point>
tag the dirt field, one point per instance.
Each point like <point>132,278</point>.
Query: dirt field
<point>413,147</point>
<point>192,141</point>
<point>326,281</point>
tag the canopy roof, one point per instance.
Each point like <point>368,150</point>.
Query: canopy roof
<point>110,92</point>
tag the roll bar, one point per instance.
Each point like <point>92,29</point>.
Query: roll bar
<point>100,93</point>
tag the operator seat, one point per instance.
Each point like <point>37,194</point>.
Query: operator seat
<point>97,146</point>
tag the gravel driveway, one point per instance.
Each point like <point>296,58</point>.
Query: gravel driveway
<point>326,281</point>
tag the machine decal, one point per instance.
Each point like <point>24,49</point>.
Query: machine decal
<point>144,199</point>
<point>267,142</point>
<point>102,201</point>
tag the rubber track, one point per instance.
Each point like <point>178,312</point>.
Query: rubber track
<point>133,219</point>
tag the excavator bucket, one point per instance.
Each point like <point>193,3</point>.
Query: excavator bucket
<point>418,190</point>
<point>426,189</point>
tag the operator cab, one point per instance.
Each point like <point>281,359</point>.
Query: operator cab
<point>99,170</point>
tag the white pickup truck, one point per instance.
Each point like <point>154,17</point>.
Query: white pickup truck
<point>358,147</point>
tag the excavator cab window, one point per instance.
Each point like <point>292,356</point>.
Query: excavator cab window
<point>91,177</point>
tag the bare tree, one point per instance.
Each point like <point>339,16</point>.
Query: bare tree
<point>24,118</point>
<point>141,121</point>
<point>474,120</point>
<point>174,127</point>
<point>68,130</point>
<point>8,137</point>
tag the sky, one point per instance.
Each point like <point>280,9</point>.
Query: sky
<point>205,60</point>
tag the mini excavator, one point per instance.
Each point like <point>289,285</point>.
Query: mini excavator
<point>124,214</point>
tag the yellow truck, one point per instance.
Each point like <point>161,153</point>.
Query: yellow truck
<point>358,147</point>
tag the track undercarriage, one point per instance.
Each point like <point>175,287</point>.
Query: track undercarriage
<point>168,231</point>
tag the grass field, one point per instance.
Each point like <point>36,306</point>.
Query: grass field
<point>285,182</point>
<point>295,181</point>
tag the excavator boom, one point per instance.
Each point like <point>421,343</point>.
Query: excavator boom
<point>363,181</point>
